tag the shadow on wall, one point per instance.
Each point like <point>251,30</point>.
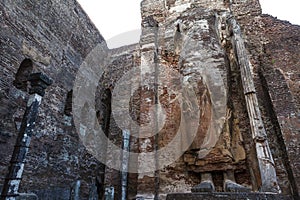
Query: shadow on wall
<point>22,75</point>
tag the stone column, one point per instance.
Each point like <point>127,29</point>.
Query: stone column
<point>125,163</point>
<point>268,179</point>
<point>39,82</point>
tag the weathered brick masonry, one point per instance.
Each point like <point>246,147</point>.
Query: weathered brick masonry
<point>55,36</point>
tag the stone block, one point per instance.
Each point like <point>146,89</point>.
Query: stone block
<point>233,196</point>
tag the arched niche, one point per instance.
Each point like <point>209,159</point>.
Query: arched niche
<point>22,74</point>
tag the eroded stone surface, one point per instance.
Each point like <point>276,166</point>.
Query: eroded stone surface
<point>57,36</point>
<point>216,196</point>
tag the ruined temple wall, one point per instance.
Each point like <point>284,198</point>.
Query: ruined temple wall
<point>56,36</point>
<point>273,47</point>
<point>123,60</point>
<point>166,28</point>
<point>276,83</point>
<point>279,70</point>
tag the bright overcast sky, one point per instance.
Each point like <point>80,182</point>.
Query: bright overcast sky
<point>116,17</point>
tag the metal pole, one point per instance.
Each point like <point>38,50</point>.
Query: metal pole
<point>39,82</point>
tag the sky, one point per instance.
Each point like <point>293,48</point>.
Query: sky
<point>119,20</point>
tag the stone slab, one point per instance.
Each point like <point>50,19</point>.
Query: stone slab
<point>224,195</point>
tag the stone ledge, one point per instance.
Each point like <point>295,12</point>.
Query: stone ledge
<point>224,195</point>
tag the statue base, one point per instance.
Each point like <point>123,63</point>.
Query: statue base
<point>228,195</point>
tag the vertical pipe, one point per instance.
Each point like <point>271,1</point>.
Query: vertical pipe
<point>39,82</point>
<point>125,162</point>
